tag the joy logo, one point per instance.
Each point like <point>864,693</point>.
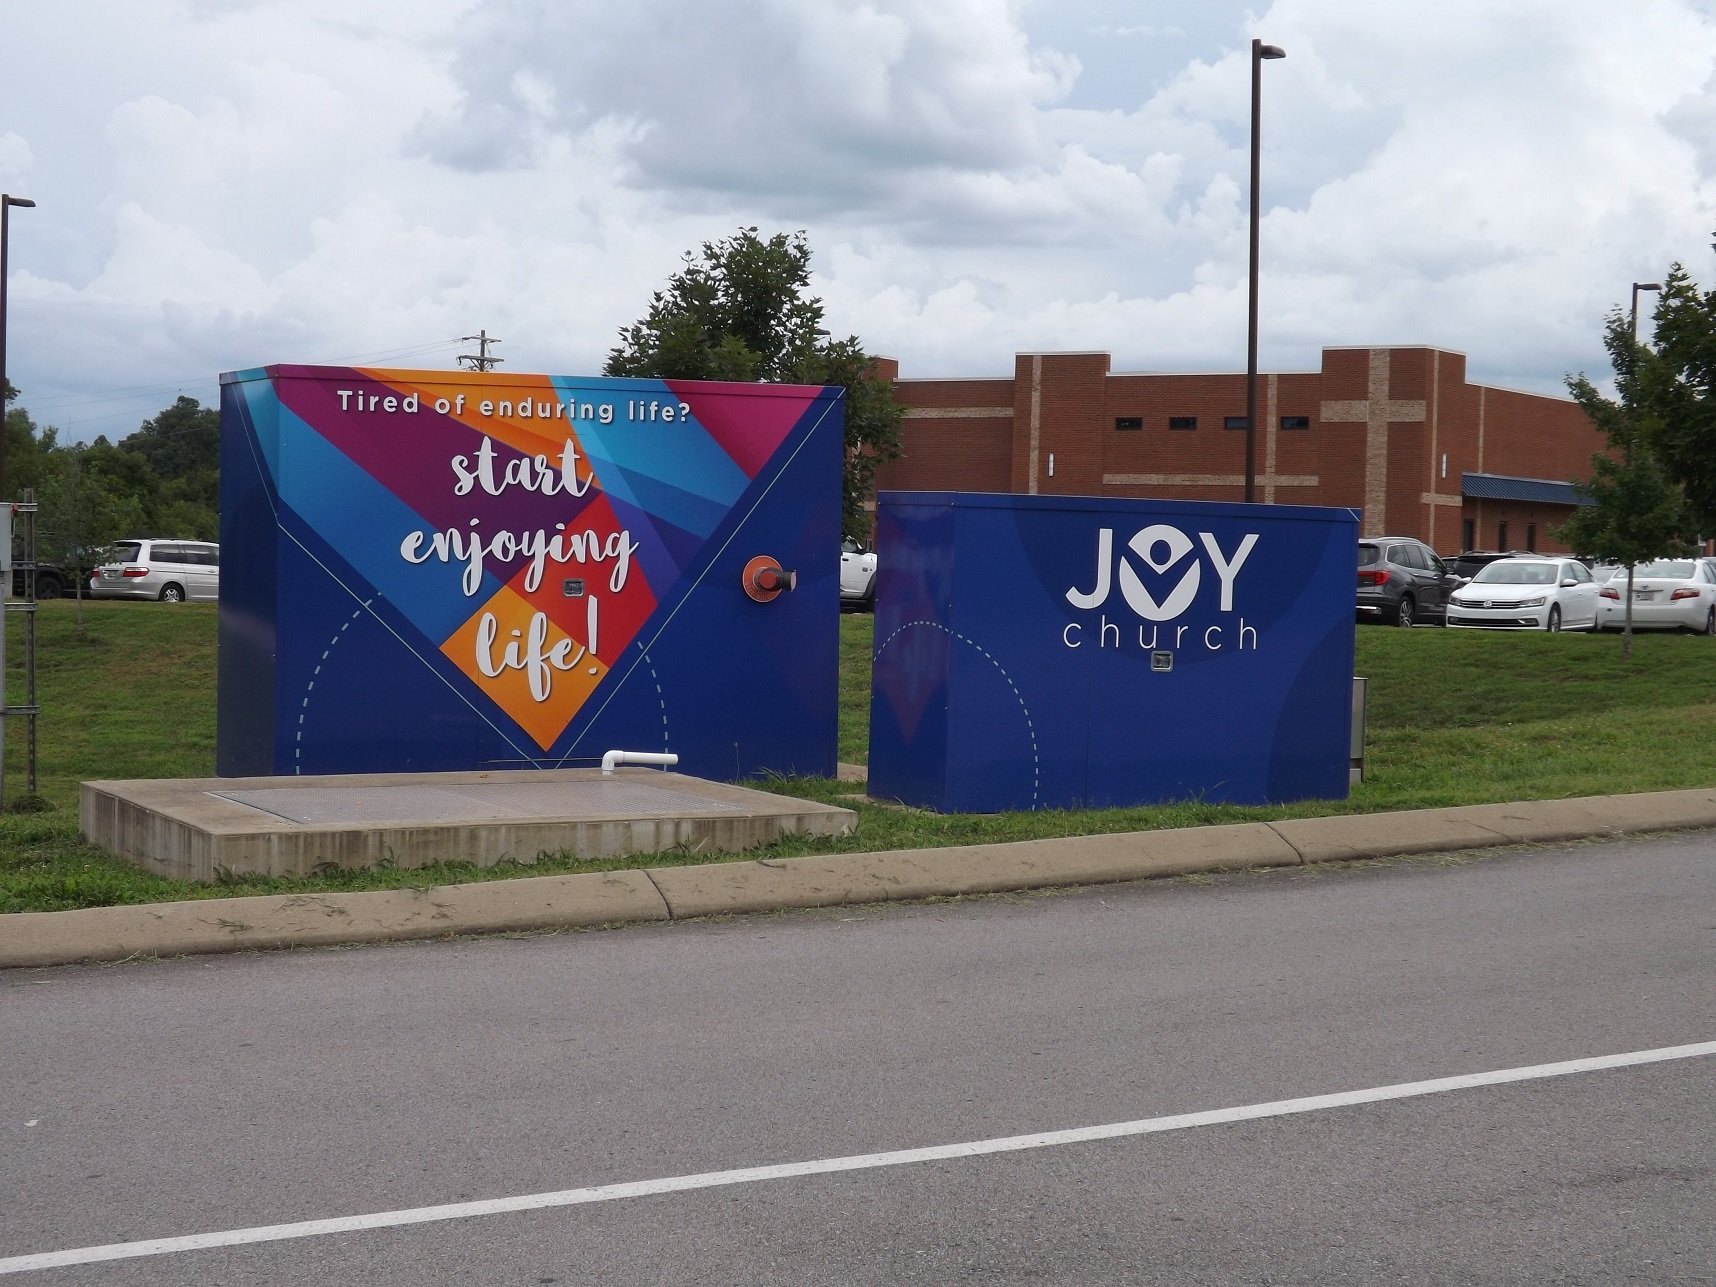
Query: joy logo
<point>1160,547</point>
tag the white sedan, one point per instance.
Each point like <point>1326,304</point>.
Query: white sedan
<point>1668,594</point>
<point>1544,593</point>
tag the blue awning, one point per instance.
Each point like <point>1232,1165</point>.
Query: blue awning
<point>1502,487</point>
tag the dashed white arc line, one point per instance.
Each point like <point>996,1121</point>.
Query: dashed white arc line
<point>829,1166</point>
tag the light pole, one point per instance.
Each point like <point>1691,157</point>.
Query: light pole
<point>7,201</point>
<point>1629,392</point>
<point>1637,287</point>
<point>1627,395</point>
<point>1259,51</point>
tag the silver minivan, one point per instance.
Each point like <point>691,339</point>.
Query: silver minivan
<point>170,570</point>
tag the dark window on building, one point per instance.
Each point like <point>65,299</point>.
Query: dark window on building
<point>1531,537</point>
<point>1233,422</point>
<point>1128,422</point>
<point>1295,422</point>
<point>1182,422</point>
<point>1468,534</point>
<point>1501,536</point>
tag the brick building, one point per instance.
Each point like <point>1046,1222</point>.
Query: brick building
<point>1397,433</point>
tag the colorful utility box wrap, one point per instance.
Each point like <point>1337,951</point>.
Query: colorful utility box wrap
<point>1038,652</point>
<point>458,570</point>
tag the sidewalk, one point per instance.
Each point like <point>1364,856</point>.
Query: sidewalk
<point>679,893</point>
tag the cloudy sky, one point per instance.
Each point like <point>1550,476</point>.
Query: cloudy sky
<point>230,183</point>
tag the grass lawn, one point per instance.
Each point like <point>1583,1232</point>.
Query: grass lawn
<point>127,690</point>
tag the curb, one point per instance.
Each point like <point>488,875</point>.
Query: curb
<point>591,899</point>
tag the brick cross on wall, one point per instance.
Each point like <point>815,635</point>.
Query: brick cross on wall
<point>1376,413</point>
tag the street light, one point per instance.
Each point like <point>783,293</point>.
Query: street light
<point>1259,51</point>
<point>1633,353</point>
<point>7,201</point>
<point>1637,287</point>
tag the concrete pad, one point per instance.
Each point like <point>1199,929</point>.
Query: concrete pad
<point>320,920</point>
<point>828,880</point>
<point>192,829</point>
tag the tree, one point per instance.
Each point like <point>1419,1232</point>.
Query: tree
<point>81,514</point>
<point>124,473</point>
<point>182,448</point>
<point>739,311</point>
<point>180,441</point>
<point>26,447</point>
<point>1676,382</point>
<point>1639,510</point>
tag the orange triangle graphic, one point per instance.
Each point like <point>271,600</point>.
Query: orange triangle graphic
<point>531,668</point>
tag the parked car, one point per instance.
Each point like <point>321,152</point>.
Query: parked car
<point>1668,594</point>
<point>1541,592</point>
<point>170,570</point>
<point>857,575</point>
<point>1466,564</point>
<point>1401,581</point>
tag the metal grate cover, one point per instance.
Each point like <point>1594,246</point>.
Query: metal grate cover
<point>478,802</point>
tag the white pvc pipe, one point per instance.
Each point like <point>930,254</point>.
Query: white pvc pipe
<point>613,759</point>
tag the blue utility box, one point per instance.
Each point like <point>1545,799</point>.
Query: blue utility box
<point>431,571</point>
<point>1045,652</point>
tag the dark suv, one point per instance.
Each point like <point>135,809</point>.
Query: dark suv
<point>1466,565</point>
<point>1402,581</point>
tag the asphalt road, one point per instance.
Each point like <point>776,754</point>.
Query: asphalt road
<point>222,1094</point>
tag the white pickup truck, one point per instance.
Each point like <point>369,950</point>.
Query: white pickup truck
<point>857,575</point>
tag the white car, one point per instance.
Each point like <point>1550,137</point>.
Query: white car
<point>857,575</point>
<point>1668,594</point>
<point>1540,593</point>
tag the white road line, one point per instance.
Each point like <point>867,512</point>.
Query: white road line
<point>827,1166</point>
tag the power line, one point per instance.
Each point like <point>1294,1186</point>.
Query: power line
<point>89,403</point>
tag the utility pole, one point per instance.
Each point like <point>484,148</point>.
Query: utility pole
<point>7,201</point>
<point>480,360</point>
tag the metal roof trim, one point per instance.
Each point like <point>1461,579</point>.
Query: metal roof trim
<point>1506,487</point>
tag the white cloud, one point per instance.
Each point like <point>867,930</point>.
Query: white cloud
<point>779,97</point>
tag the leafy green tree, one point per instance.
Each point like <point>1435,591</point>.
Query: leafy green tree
<point>1676,383</point>
<point>182,448</point>
<point>25,447</point>
<point>1639,510</point>
<point>740,310</point>
<point>81,513</point>
<point>124,473</point>
<point>180,441</point>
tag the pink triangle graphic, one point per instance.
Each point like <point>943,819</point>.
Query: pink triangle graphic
<point>748,429</point>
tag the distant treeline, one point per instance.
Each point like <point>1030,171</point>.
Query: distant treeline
<point>162,480</point>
